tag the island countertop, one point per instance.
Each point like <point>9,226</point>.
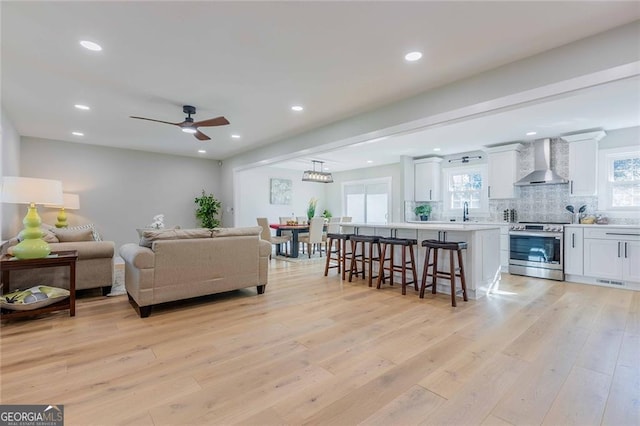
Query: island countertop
<point>425,226</point>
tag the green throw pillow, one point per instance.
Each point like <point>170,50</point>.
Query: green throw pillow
<point>32,298</point>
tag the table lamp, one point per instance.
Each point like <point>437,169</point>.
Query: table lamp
<point>32,191</point>
<point>69,202</point>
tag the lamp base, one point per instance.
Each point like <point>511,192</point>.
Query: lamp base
<point>31,249</point>
<point>62,219</point>
<point>32,246</point>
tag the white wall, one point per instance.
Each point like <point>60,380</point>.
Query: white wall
<point>120,190</point>
<point>253,195</point>
<point>621,137</point>
<point>9,166</point>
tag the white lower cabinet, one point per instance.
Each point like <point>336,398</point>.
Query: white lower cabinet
<point>504,248</point>
<point>611,255</point>
<point>602,259</point>
<point>631,265</point>
<point>573,250</point>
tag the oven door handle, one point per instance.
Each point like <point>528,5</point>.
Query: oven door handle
<point>536,234</point>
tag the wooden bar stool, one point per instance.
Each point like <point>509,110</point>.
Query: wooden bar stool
<point>336,256</point>
<point>453,272</point>
<point>388,246</point>
<point>366,257</point>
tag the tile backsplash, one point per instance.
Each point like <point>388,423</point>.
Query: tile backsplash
<point>536,203</point>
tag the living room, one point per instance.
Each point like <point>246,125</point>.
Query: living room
<point>314,349</point>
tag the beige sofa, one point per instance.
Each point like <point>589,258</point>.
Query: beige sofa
<point>94,268</point>
<point>184,263</point>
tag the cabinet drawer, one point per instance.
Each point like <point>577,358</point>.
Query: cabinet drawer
<point>612,233</point>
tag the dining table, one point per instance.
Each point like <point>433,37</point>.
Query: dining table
<point>295,231</point>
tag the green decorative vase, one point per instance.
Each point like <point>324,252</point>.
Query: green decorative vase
<point>32,245</point>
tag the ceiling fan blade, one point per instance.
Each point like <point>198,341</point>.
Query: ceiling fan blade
<point>201,136</point>
<point>218,121</point>
<point>157,121</point>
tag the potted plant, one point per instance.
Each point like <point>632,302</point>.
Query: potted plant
<point>207,211</point>
<point>327,215</point>
<point>423,211</point>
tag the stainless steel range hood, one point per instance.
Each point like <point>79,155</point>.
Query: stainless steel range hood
<point>542,173</point>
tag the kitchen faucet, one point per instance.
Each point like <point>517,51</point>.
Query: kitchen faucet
<point>465,212</point>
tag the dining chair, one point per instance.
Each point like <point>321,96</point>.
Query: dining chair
<point>314,238</point>
<point>265,234</point>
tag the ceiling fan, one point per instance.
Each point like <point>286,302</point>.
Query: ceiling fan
<point>190,126</point>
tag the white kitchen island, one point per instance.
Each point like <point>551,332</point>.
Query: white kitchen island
<point>481,258</point>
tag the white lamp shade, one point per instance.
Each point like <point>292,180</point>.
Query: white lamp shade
<point>24,190</point>
<point>69,202</point>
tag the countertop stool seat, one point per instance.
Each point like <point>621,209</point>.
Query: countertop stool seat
<point>451,246</point>
<point>337,252</point>
<point>362,250</point>
<point>388,248</point>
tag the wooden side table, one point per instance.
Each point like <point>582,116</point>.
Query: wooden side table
<point>59,258</point>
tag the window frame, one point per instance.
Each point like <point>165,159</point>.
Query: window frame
<point>483,170</point>
<point>606,184</point>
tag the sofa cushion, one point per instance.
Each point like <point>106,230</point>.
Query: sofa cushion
<point>91,226</point>
<point>88,249</point>
<point>65,235</point>
<point>151,235</point>
<point>235,232</point>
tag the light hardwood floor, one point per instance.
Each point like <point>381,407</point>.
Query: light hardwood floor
<point>316,350</point>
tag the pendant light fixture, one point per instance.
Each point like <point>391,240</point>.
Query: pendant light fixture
<point>317,176</point>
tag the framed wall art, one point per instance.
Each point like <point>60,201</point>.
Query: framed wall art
<point>281,191</point>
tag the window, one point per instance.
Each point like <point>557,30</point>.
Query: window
<point>465,184</point>
<point>623,180</point>
<point>367,201</point>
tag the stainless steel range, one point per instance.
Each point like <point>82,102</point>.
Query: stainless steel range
<point>536,250</point>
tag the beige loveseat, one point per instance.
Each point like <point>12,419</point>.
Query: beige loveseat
<point>184,263</point>
<point>94,268</point>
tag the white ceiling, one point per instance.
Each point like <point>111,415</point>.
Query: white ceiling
<point>250,61</point>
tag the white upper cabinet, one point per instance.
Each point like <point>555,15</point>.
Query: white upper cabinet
<point>503,170</point>
<point>583,163</point>
<point>427,179</point>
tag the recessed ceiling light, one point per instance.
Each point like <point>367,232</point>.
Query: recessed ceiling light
<point>436,149</point>
<point>531,133</point>
<point>91,45</point>
<point>190,130</point>
<point>82,107</point>
<point>77,133</point>
<point>297,108</point>
<point>369,161</point>
<point>202,151</point>
<point>235,136</point>
<point>413,56</point>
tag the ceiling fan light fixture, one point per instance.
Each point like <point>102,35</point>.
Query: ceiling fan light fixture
<point>413,56</point>
<point>317,176</point>
<point>91,45</point>
<point>190,130</point>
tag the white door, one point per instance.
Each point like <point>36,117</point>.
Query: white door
<point>603,258</point>
<point>368,201</point>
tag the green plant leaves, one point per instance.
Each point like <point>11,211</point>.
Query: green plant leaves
<point>207,210</point>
